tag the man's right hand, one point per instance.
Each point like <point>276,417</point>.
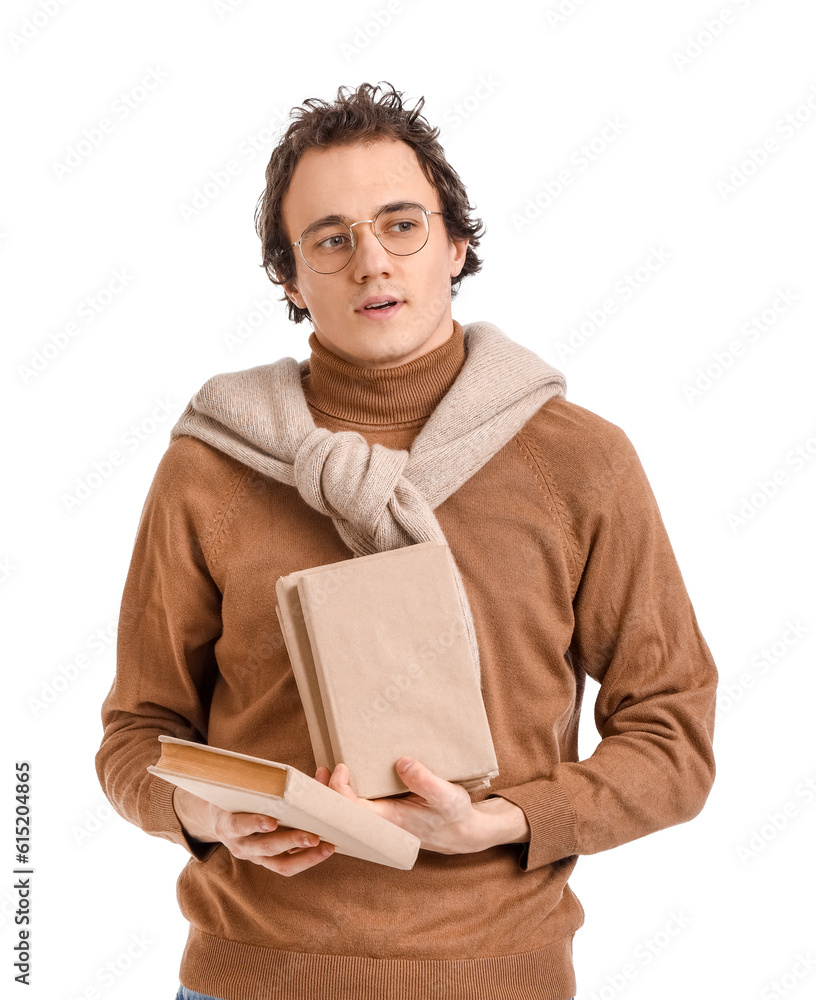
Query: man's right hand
<point>250,836</point>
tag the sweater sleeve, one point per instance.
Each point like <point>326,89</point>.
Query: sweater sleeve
<point>169,622</point>
<point>636,634</point>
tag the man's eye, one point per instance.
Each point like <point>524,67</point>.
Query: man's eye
<point>333,242</point>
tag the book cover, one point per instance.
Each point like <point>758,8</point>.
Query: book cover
<point>379,650</point>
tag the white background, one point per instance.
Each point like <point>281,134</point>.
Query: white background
<point>516,96</point>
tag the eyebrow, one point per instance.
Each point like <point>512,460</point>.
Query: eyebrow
<point>392,206</point>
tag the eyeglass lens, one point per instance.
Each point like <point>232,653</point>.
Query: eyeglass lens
<point>328,247</point>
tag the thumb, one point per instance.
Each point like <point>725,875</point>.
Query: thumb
<point>419,779</point>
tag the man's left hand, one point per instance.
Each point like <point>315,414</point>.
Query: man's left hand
<point>439,812</point>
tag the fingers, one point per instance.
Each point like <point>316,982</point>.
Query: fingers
<point>288,852</point>
<point>261,840</point>
<point>435,790</point>
<point>339,781</point>
<point>234,825</point>
<point>296,860</point>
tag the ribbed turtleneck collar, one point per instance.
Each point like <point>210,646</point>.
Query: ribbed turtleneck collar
<point>397,395</point>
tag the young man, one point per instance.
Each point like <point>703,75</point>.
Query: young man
<point>563,555</point>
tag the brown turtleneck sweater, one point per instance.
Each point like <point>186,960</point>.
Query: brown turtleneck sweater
<point>569,572</point>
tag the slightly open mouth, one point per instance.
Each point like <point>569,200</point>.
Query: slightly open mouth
<point>381,305</point>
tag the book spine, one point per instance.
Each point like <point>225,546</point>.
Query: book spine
<point>327,701</point>
<point>312,708</point>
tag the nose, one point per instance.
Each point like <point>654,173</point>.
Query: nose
<point>370,256</point>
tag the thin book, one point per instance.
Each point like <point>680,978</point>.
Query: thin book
<point>240,783</point>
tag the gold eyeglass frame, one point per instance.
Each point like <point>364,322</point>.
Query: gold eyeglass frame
<point>425,211</point>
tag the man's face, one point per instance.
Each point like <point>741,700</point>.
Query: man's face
<point>355,182</point>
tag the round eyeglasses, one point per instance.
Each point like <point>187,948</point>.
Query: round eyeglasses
<point>328,245</point>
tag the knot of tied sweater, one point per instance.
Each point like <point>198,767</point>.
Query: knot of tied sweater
<point>362,488</point>
<point>378,498</point>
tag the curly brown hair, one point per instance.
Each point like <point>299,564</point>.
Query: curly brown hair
<point>356,116</point>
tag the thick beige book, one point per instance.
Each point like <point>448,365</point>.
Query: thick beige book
<point>239,783</point>
<point>379,651</point>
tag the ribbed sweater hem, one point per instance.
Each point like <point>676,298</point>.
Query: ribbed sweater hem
<point>233,971</point>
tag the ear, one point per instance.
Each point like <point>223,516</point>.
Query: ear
<point>296,297</point>
<point>458,254</point>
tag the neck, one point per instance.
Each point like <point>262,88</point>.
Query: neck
<point>402,394</point>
